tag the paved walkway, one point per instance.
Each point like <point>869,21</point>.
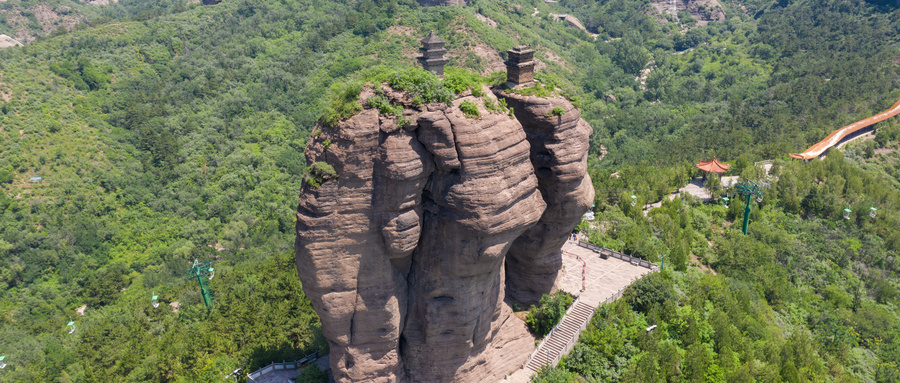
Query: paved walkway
<point>602,280</point>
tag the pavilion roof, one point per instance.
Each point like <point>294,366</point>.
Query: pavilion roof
<point>713,166</point>
<point>432,38</point>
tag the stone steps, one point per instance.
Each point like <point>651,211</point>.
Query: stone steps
<point>567,330</point>
<point>566,333</point>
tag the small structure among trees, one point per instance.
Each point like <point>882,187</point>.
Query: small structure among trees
<point>712,166</point>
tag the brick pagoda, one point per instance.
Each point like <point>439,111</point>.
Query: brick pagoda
<point>433,54</point>
<point>520,66</point>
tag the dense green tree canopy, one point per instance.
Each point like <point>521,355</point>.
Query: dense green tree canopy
<point>167,132</point>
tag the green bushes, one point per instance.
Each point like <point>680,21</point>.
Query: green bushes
<point>425,87</point>
<point>312,374</point>
<point>384,106</point>
<point>536,89</point>
<point>458,80</point>
<point>344,103</point>
<point>422,85</point>
<point>551,374</point>
<point>469,109</point>
<point>83,74</point>
<point>541,319</point>
<point>7,176</point>
<point>650,291</point>
<point>557,111</point>
<point>497,106</point>
<point>320,172</point>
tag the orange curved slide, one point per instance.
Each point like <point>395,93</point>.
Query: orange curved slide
<point>836,136</point>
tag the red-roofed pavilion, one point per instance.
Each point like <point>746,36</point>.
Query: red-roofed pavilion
<point>713,166</point>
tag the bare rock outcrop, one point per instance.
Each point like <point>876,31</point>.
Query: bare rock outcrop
<point>559,148</point>
<point>406,252</point>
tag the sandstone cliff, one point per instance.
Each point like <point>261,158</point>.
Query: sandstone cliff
<point>559,148</point>
<point>402,253</point>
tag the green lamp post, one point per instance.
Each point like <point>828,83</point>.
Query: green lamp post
<point>748,189</point>
<point>200,270</point>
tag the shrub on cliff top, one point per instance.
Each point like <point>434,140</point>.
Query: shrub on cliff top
<point>543,318</point>
<point>458,80</point>
<point>422,85</point>
<point>469,109</point>
<point>384,106</point>
<point>343,102</point>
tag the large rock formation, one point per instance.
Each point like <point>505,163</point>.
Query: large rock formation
<point>402,253</point>
<point>559,148</point>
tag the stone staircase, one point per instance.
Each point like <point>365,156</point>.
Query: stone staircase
<point>563,337</point>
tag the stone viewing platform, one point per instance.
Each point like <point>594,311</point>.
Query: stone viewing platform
<point>602,280</point>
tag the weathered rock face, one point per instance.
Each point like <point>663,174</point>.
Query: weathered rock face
<point>402,255</point>
<point>559,148</point>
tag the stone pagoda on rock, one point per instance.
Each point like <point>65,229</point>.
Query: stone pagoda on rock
<point>520,66</point>
<point>432,58</point>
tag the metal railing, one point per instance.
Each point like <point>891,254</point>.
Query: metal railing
<point>284,366</point>
<point>606,253</point>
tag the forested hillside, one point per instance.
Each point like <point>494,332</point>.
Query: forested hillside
<point>29,20</point>
<point>166,133</point>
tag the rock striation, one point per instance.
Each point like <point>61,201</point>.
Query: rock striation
<point>412,253</point>
<point>559,147</point>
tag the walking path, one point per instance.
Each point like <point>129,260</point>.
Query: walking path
<point>594,281</point>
